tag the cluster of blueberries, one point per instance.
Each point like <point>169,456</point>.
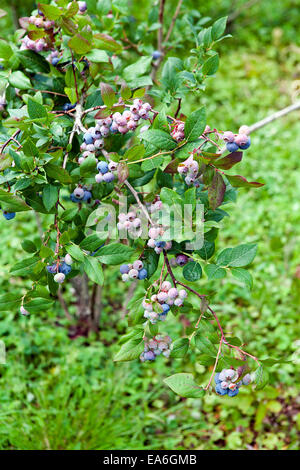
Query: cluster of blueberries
<point>157,308</point>
<point>81,195</point>
<point>68,106</point>
<point>155,241</point>
<point>154,347</point>
<point>61,270</point>
<point>53,58</point>
<point>129,222</point>
<point>132,271</point>
<point>39,21</point>
<point>154,206</point>
<point>9,215</point>
<point>237,141</point>
<point>226,382</point>
<point>189,169</point>
<point>178,131</point>
<point>105,169</point>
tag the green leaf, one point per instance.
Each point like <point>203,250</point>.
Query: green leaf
<point>106,42</point>
<point>135,153</point>
<point>131,72</point>
<point>239,256</point>
<point>192,271</point>
<point>169,197</point>
<point>180,347</point>
<point>261,378</point>
<point>93,270</point>
<point>108,95</point>
<point>38,305</point>
<point>159,139</point>
<point>98,56</point>
<point>184,385</point>
<point>50,196</point>
<point>214,272</point>
<point>75,252</point>
<point>114,253</point>
<point>130,350</point>
<point>50,11</point>
<point>57,173</point>
<point>91,243</point>
<point>33,61</point>
<point>244,276</point>
<point>28,246</point>
<point>24,267</point>
<point>211,65</point>
<point>195,124</point>
<point>204,345</point>
<point>218,28</point>
<point>5,50</point>
<point>12,203</point>
<point>19,80</point>
<point>81,42</point>
<point>9,302</point>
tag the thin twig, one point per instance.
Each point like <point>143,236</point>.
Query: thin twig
<point>141,206</point>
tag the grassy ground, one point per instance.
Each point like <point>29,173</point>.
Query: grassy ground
<point>62,394</point>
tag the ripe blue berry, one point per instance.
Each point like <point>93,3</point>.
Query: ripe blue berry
<point>160,244</point>
<point>181,260</point>
<point>165,308</point>
<point>233,393</point>
<point>246,145</point>
<point>88,138</point>
<point>9,215</point>
<point>221,391</point>
<point>232,146</point>
<point>55,61</point>
<point>102,167</point>
<point>52,269</point>
<point>87,195</point>
<point>108,177</point>
<point>124,269</point>
<point>156,55</point>
<point>217,380</point>
<point>64,268</point>
<point>143,274</point>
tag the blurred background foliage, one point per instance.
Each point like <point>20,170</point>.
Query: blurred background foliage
<point>58,393</point>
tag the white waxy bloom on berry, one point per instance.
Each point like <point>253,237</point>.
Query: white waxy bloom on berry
<point>99,178</point>
<point>162,296</point>
<point>138,264</point>
<point>178,302</point>
<point>81,160</point>
<point>127,224</point>
<point>90,147</point>
<point>154,232</point>
<point>131,216</point>
<point>244,130</point>
<point>225,384</point>
<point>136,223</point>
<point>99,143</point>
<point>166,286</point>
<point>173,293</point>
<point>182,294</point>
<point>125,277</point>
<point>151,243</point>
<point>68,259</point>
<point>112,166</point>
<point>154,298</point>
<point>122,217</point>
<point>59,277</point>
<point>133,273</point>
<point>170,301</point>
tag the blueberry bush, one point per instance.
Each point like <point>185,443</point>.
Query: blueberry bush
<point>95,144</point>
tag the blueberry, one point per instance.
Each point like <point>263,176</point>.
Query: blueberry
<point>143,274</point>
<point>75,199</point>
<point>55,61</point>
<point>52,269</point>
<point>108,177</point>
<point>9,215</point>
<point>165,308</point>
<point>88,138</point>
<point>233,393</point>
<point>232,146</point>
<point>68,106</point>
<point>181,260</point>
<point>160,244</point>
<point>64,268</point>
<point>156,55</point>
<point>217,380</point>
<point>246,145</point>
<point>124,269</point>
<point>87,196</point>
<point>102,167</point>
<point>221,391</point>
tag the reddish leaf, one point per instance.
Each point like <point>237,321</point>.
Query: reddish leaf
<point>103,113</point>
<point>229,161</point>
<point>216,191</point>
<point>238,181</point>
<point>172,167</point>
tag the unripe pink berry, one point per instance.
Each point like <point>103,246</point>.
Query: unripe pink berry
<point>162,296</point>
<point>244,130</point>
<point>133,273</point>
<point>59,277</point>
<point>241,139</point>
<point>99,178</point>
<point>173,293</point>
<point>138,264</point>
<point>182,294</point>
<point>151,243</point>
<point>228,136</point>
<point>166,285</point>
